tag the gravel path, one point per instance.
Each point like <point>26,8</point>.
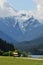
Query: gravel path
<point>30,58</point>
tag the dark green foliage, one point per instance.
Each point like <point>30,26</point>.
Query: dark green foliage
<point>1,52</point>
<point>7,53</point>
<point>33,46</point>
<point>25,54</point>
<point>7,49</point>
<point>4,46</point>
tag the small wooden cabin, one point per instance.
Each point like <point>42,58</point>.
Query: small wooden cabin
<point>15,54</point>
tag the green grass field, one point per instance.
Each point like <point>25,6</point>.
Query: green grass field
<point>19,61</point>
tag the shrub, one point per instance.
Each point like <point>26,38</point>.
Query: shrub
<point>5,54</point>
<point>25,54</point>
<point>9,53</point>
<point>1,52</point>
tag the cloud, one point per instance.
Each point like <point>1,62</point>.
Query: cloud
<point>38,1</point>
<point>39,10</point>
<point>6,9</point>
<point>2,2</point>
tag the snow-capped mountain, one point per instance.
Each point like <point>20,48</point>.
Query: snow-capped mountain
<point>21,31</point>
<point>19,25</point>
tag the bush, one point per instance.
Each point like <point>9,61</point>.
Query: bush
<point>25,54</point>
<point>7,53</point>
<point>10,53</point>
<point>1,52</point>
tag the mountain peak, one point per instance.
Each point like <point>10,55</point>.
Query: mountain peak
<point>20,29</point>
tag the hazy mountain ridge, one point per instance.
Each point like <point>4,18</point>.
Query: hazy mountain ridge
<point>6,37</point>
<point>33,44</point>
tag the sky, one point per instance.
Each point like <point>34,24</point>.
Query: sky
<point>23,4</point>
<point>34,6</point>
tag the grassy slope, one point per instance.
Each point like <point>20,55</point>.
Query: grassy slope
<point>17,61</point>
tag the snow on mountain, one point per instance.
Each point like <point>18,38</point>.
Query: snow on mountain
<point>19,25</point>
<point>21,31</point>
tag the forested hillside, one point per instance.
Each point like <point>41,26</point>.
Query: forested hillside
<point>5,46</point>
<point>33,46</point>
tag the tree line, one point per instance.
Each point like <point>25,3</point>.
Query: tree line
<point>6,48</point>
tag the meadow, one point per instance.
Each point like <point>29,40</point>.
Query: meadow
<point>18,61</point>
